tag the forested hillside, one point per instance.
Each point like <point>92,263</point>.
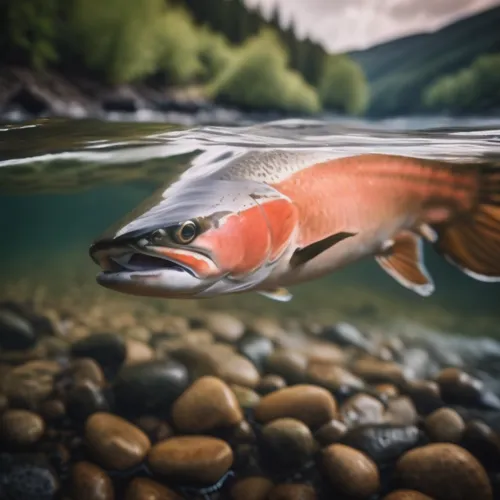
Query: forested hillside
<point>402,72</point>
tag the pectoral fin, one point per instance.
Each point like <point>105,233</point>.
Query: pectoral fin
<point>309,252</point>
<point>279,294</point>
<point>402,258</point>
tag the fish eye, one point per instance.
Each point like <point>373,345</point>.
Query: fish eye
<point>158,235</point>
<point>186,232</point>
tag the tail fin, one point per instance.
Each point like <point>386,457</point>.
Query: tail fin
<point>473,242</point>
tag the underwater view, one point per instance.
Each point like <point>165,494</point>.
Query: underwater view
<point>355,387</point>
<point>249,250</point>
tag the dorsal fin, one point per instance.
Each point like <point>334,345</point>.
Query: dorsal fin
<point>402,258</point>
<point>307,253</point>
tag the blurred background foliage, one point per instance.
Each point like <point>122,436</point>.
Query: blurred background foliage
<point>238,56</point>
<point>235,56</point>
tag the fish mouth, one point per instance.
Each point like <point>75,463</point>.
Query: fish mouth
<point>144,271</point>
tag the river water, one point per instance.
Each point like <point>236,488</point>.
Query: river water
<point>62,183</point>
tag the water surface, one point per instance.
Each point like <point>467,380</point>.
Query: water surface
<point>62,183</point>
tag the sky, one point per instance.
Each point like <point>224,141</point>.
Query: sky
<point>341,25</point>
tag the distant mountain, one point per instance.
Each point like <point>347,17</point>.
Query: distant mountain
<point>399,70</point>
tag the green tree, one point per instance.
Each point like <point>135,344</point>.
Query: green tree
<point>343,86</point>
<point>476,88</point>
<point>118,38</point>
<point>258,78</point>
<point>29,31</point>
<point>178,48</point>
<point>214,53</point>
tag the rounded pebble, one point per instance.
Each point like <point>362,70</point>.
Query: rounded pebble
<point>207,404</point>
<point>116,443</point>
<point>383,443</point>
<point>444,425</point>
<point>310,404</point>
<point>331,432</point>
<point>350,471</point>
<point>256,348</point>
<point>270,383</point>
<point>191,458</point>
<point>445,472</point>
<point>29,384</point>
<point>362,409</point>
<point>150,387</point>
<point>333,377</point>
<point>224,326</point>
<point>292,491</point>
<point>90,482</point>
<point>406,495</point>
<point>16,332</point>
<point>21,427</point>
<point>290,365</point>
<point>143,488</point>
<point>107,349</point>
<point>251,488</point>
<point>287,441</point>
<point>247,398</point>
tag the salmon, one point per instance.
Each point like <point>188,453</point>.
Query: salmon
<point>269,220</point>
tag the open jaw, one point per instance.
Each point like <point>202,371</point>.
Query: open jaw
<point>135,272</point>
<point>138,262</point>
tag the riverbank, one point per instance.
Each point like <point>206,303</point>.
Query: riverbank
<point>26,94</point>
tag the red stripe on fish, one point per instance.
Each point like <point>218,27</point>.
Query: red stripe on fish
<point>356,193</point>
<point>241,243</point>
<point>282,217</point>
<point>200,264</point>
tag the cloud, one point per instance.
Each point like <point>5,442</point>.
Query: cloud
<point>349,24</point>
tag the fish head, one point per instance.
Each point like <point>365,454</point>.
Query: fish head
<point>198,239</point>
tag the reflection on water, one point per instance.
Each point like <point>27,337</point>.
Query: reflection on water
<point>63,183</point>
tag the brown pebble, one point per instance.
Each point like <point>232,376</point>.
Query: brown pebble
<point>206,405</point>
<point>21,427</point>
<point>53,409</point>
<point>239,434</point>
<point>331,432</point>
<point>308,403</point>
<point>225,327</point>
<point>90,482</point>
<point>137,352</point>
<point>401,411</point>
<point>406,495</point>
<point>291,491</point>
<point>458,386</point>
<point>251,488</point>
<point>388,390</point>
<point>375,371</point>
<point>362,409</point>
<point>288,440</point>
<point>192,458</point>
<point>444,425</point>
<point>30,383</point>
<point>290,365</point>
<point>155,429</point>
<point>84,369</point>
<point>143,488</point>
<point>247,398</point>
<point>350,471</point>
<point>239,370</point>
<point>332,377</point>
<point>444,471</point>
<point>324,353</point>
<point>270,383</point>
<point>115,443</point>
